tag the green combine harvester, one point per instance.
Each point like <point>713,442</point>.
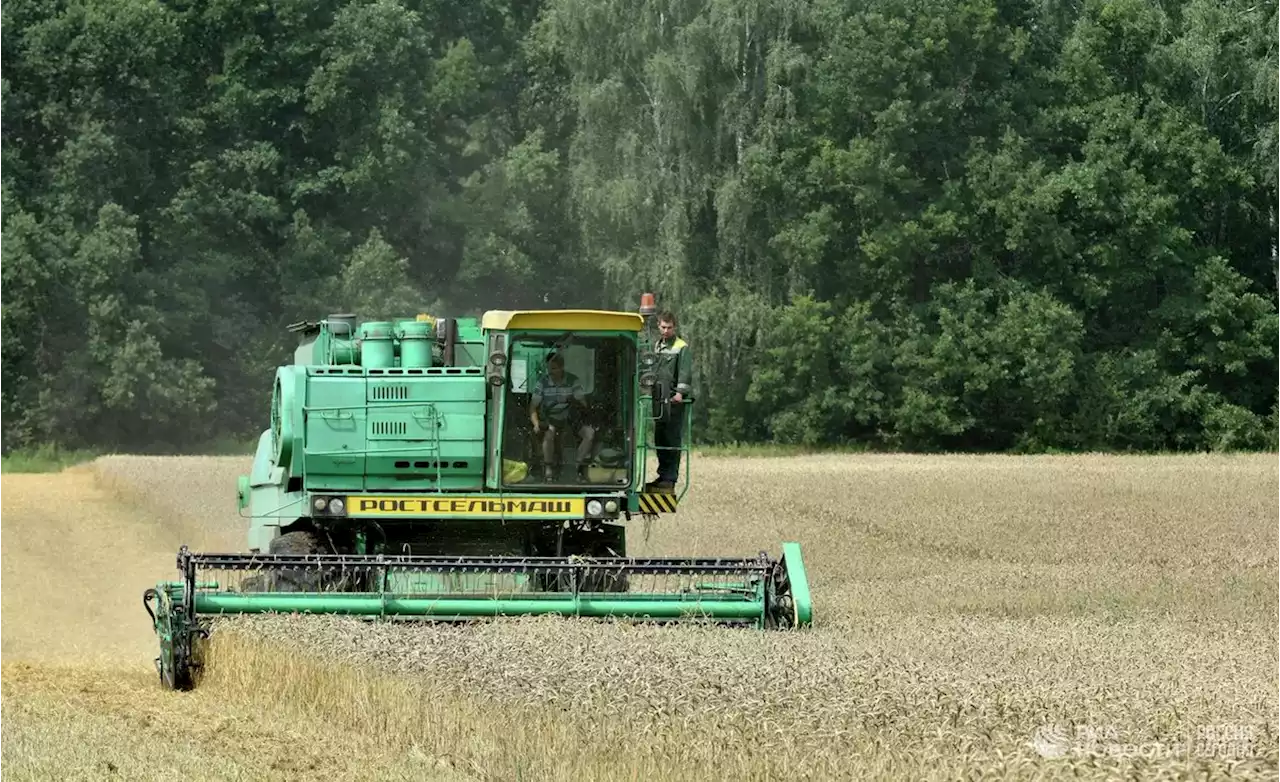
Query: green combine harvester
<point>402,478</point>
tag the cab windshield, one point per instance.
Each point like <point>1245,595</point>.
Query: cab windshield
<point>568,411</point>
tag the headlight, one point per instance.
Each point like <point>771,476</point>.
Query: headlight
<point>337,506</point>
<point>611,506</point>
<point>594,508</point>
<point>318,503</point>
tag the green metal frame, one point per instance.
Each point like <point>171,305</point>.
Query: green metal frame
<point>631,390</point>
<point>646,435</point>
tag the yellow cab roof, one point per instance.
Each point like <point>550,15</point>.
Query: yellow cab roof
<point>562,320</point>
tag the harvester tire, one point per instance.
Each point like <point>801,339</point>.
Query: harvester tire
<point>598,542</point>
<point>301,542</point>
<point>254,583</point>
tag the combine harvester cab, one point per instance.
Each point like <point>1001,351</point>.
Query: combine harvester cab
<point>402,477</point>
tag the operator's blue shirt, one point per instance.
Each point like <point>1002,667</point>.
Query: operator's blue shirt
<point>552,398</point>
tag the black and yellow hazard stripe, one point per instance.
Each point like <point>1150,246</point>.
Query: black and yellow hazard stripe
<point>657,502</point>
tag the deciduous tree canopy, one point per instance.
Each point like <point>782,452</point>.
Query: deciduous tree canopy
<point>924,224</point>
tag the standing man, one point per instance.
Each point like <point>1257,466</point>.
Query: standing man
<point>672,390</point>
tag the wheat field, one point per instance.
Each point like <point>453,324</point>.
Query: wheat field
<point>976,617</point>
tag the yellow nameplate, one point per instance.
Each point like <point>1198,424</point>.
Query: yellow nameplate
<point>468,507</point>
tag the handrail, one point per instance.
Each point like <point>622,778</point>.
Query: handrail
<point>685,448</point>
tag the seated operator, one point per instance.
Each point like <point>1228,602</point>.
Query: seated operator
<point>558,406</point>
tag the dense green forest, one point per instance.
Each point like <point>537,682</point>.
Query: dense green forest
<point>915,224</point>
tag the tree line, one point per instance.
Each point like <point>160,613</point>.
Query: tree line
<point>919,224</point>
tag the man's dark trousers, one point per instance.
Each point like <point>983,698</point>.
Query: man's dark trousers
<point>667,431</point>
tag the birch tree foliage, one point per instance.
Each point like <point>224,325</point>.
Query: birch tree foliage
<point>1026,225</point>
